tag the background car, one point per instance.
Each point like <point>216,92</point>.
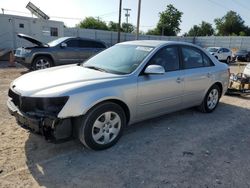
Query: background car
<point>241,55</point>
<point>65,50</point>
<point>222,54</point>
<point>127,83</point>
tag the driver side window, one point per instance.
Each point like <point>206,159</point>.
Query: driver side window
<point>167,57</point>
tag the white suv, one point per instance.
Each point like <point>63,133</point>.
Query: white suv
<point>222,54</point>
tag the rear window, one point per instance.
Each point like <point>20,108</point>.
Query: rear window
<point>91,44</point>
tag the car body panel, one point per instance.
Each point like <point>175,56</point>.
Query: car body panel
<point>58,54</point>
<point>145,96</point>
<point>220,53</point>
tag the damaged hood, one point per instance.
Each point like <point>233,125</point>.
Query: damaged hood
<point>60,80</point>
<point>32,40</point>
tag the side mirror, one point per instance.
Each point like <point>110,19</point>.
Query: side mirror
<point>63,45</point>
<point>154,69</point>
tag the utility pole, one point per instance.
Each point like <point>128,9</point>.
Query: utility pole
<point>119,22</point>
<point>127,15</point>
<point>138,20</point>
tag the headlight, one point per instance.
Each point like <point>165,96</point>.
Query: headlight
<point>47,106</point>
<point>25,51</point>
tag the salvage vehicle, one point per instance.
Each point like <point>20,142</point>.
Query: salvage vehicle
<point>65,50</point>
<point>127,83</point>
<point>222,54</point>
<point>240,83</point>
<point>241,55</point>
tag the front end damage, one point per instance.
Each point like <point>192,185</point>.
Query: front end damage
<point>39,115</point>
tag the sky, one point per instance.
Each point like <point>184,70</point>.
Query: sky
<point>72,11</point>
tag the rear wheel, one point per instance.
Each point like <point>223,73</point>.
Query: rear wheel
<point>228,60</point>
<point>102,126</point>
<point>211,99</point>
<point>42,62</point>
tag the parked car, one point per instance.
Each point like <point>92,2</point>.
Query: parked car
<point>65,50</point>
<point>127,83</point>
<point>222,54</point>
<point>241,55</point>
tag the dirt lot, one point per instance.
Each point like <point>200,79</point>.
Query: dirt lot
<point>183,149</point>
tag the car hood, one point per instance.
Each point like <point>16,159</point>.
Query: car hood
<point>59,80</point>
<point>32,40</point>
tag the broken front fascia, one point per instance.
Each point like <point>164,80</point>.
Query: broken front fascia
<point>40,115</point>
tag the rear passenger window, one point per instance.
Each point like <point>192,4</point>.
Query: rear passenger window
<point>90,44</point>
<point>194,58</point>
<point>72,43</point>
<point>207,62</point>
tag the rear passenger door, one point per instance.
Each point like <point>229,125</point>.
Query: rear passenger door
<point>198,75</point>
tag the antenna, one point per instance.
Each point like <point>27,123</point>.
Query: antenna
<point>36,11</point>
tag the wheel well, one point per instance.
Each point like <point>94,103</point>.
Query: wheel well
<point>121,104</point>
<point>220,86</point>
<point>45,55</point>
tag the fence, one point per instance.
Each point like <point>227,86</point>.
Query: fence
<point>110,38</point>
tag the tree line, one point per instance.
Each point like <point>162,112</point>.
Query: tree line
<point>169,22</point>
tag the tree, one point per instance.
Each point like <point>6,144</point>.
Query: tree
<point>169,22</point>
<point>230,24</point>
<point>204,29</point>
<point>127,27</point>
<point>113,26</point>
<point>92,23</point>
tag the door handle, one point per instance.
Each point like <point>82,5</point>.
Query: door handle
<point>179,80</point>
<point>209,75</point>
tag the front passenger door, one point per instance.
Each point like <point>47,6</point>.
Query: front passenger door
<point>159,94</point>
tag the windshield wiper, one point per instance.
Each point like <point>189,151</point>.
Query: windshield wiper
<point>96,68</point>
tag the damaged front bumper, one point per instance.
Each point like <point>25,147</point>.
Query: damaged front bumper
<point>52,128</point>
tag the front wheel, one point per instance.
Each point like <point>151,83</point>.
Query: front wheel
<point>42,62</point>
<point>102,126</point>
<point>211,100</point>
<point>228,60</point>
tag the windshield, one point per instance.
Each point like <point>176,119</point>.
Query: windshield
<point>212,49</point>
<point>119,59</point>
<point>56,42</point>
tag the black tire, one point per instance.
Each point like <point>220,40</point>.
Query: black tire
<point>204,107</point>
<point>42,62</point>
<point>228,60</point>
<point>87,129</point>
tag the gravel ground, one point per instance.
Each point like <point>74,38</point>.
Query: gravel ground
<point>182,149</point>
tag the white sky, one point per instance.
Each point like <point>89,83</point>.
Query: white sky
<point>195,11</point>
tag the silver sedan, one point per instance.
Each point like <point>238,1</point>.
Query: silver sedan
<point>127,83</point>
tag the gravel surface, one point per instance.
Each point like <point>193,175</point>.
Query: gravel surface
<point>182,149</point>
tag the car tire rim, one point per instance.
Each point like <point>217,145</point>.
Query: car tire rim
<point>106,128</point>
<point>212,99</point>
<point>42,64</point>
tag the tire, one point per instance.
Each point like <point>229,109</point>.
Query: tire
<point>211,100</point>
<point>228,60</point>
<point>102,126</point>
<point>42,62</point>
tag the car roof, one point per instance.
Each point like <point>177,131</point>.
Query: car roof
<point>154,43</point>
